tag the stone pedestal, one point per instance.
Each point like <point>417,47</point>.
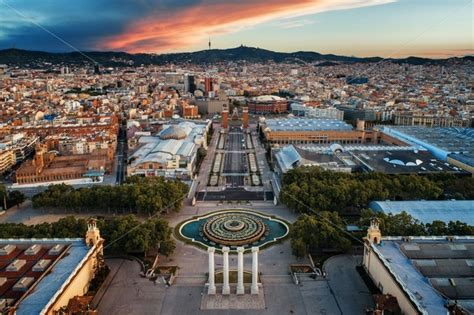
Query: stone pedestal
<point>225,285</point>
<point>240,271</point>
<point>254,287</point>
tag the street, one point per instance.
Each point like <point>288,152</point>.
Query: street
<point>121,156</point>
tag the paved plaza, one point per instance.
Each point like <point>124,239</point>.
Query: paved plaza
<point>343,292</point>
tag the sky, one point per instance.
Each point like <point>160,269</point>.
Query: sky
<point>386,28</point>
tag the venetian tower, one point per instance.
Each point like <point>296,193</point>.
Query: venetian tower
<point>93,233</point>
<point>373,232</point>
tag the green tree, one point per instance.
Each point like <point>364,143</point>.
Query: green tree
<point>313,233</point>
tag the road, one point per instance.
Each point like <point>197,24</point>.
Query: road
<point>235,159</point>
<point>121,156</point>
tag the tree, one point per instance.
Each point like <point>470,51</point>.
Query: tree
<point>12,198</point>
<point>138,194</point>
<point>403,224</point>
<point>437,228</point>
<point>321,190</point>
<point>122,235</point>
<point>313,233</point>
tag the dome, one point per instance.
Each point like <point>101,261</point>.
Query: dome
<point>402,160</point>
<point>336,147</point>
<point>173,132</point>
<point>39,115</point>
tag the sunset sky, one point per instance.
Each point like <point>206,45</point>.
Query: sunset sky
<point>387,28</point>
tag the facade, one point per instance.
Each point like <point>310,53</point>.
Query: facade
<point>307,130</point>
<point>48,167</point>
<point>189,84</point>
<point>7,160</point>
<point>70,145</point>
<point>353,114</point>
<point>210,106</point>
<point>302,110</point>
<point>427,275</point>
<point>82,126</point>
<point>208,85</point>
<point>190,111</point>
<point>267,104</point>
<point>21,144</point>
<point>172,153</point>
<point>429,120</point>
<point>40,276</point>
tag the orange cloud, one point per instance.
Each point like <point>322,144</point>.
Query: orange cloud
<point>168,31</point>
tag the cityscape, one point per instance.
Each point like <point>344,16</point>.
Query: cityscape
<point>214,157</point>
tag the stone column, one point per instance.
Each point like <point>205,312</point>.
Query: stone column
<point>254,288</point>
<point>212,286</point>
<point>240,271</point>
<point>225,285</point>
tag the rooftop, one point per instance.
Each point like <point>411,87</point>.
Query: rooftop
<point>306,124</point>
<point>182,139</point>
<point>404,162</point>
<point>427,211</point>
<point>431,270</point>
<point>46,281</point>
<point>451,140</point>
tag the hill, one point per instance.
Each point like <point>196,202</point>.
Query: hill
<point>29,58</point>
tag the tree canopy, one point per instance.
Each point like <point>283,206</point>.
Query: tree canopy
<point>324,232</point>
<point>323,190</point>
<point>122,235</point>
<point>403,224</point>
<point>12,198</point>
<point>311,233</point>
<point>142,195</point>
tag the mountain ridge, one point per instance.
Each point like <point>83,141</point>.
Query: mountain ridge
<point>20,57</point>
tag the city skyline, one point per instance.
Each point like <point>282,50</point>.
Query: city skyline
<point>386,28</point>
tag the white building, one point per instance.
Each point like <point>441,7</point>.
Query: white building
<point>425,274</point>
<point>172,153</point>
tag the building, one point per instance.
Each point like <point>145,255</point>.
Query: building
<point>290,157</point>
<point>189,84</point>
<point>21,144</point>
<point>454,145</point>
<point>420,118</point>
<point>208,85</point>
<point>267,104</point>
<point>7,160</point>
<point>400,160</point>
<point>353,114</point>
<point>427,211</point>
<point>172,153</point>
<point>211,106</point>
<point>312,130</point>
<point>47,167</point>
<point>189,111</point>
<point>387,159</point>
<point>40,276</point>
<point>427,275</point>
<point>302,110</point>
